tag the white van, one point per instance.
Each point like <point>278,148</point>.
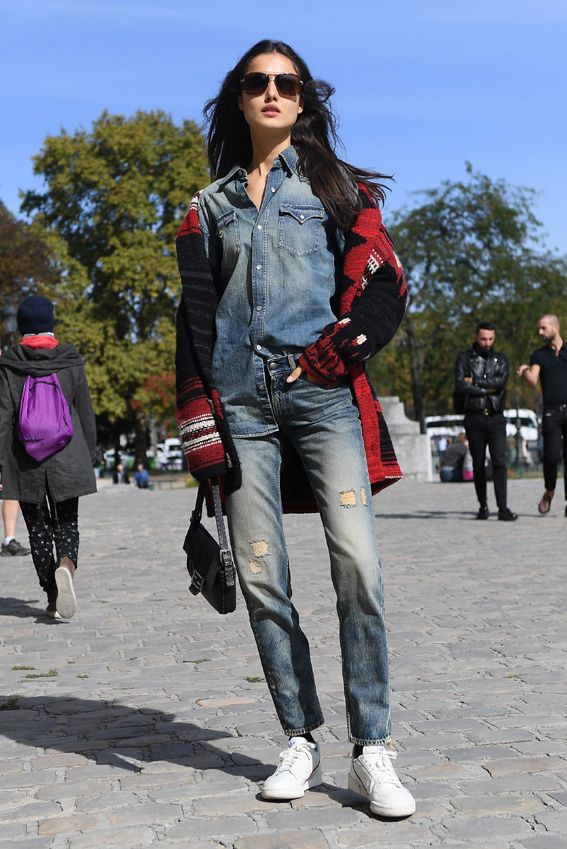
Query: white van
<point>529,425</point>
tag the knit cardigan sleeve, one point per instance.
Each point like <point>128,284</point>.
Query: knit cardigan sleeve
<point>199,411</point>
<point>372,305</point>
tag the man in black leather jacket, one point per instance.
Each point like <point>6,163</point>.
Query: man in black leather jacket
<point>481,375</point>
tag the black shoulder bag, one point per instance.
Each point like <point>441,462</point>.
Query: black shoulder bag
<point>209,562</point>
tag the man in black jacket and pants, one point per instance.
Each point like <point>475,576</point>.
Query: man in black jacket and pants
<point>481,375</point>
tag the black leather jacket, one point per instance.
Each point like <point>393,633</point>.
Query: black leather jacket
<point>489,374</point>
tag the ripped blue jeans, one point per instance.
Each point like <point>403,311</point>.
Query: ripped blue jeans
<point>324,426</point>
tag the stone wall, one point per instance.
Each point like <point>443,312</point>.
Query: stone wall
<point>412,447</point>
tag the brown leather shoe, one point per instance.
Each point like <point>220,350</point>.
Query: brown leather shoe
<point>544,505</point>
<point>66,598</point>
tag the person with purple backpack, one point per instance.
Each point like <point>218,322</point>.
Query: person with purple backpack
<point>47,447</point>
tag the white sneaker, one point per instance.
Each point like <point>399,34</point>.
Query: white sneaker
<point>299,769</point>
<point>66,598</point>
<point>372,775</point>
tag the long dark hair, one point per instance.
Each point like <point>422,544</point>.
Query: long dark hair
<point>314,136</point>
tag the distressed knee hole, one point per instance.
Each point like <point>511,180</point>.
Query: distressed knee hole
<point>259,547</point>
<point>347,498</point>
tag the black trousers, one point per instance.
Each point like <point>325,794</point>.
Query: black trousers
<point>482,432</point>
<point>48,524</point>
<point>554,430</point>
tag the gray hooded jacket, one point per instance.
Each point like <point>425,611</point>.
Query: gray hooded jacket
<point>69,473</point>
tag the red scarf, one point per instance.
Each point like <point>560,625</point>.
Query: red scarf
<point>40,340</point>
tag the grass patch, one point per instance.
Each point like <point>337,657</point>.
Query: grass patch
<point>199,660</point>
<point>254,679</point>
<point>51,674</point>
<point>22,668</point>
<point>82,676</point>
<point>10,704</point>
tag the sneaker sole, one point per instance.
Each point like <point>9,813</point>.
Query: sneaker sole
<point>287,795</point>
<point>66,599</point>
<point>52,614</point>
<point>392,812</point>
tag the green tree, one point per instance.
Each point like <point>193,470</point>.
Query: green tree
<point>25,259</point>
<point>114,197</point>
<point>473,251</point>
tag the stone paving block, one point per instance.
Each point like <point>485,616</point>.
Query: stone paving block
<point>231,827</point>
<point>496,805</point>
<point>232,803</point>
<point>544,841</point>
<point>80,822</point>
<point>124,838</point>
<point>311,839</point>
<point>145,814</point>
<point>105,801</point>
<point>487,828</point>
<point>27,842</point>
<point>325,817</point>
<point>554,821</point>
<point>13,831</point>
<point>31,810</point>
<point>524,765</point>
<point>380,833</point>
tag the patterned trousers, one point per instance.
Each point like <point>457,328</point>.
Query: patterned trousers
<point>49,523</point>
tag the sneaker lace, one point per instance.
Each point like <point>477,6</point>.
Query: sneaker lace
<point>290,756</point>
<point>378,761</point>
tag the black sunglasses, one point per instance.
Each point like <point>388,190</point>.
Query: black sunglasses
<point>288,85</point>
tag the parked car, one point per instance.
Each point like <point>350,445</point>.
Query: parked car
<point>126,457</point>
<point>453,424</point>
<point>450,425</point>
<point>529,425</point>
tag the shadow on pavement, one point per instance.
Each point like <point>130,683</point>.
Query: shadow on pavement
<point>22,608</point>
<point>430,514</point>
<point>116,734</point>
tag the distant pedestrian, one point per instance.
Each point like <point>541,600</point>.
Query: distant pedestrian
<point>48,489</point>
<point>141,477</point>
<point>271,378</point>
<point>452,460</point>
<point>481,375</point>
<point>120,474</point>
<point>10,546</point>
<point>549,364</point>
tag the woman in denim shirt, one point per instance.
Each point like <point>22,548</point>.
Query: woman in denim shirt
<point>290,283</point>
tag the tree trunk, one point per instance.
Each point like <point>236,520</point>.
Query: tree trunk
<point>416,374</point>
<point>140,436</point>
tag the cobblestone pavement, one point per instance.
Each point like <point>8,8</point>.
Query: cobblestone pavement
<point>146,721</point>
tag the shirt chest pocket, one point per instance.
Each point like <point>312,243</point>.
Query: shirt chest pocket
<point>300,228</point>
<point>228,232</point>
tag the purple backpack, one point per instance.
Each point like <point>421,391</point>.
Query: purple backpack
<point>45,425</point>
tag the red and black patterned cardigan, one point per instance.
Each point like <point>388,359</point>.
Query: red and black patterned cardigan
<point>372,301</point>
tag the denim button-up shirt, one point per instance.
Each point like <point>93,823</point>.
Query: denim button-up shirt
<point>276,270</point>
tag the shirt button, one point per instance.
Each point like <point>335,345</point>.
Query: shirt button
<point>259,226</point>
<point>273,190</point>
<point>258,267</point>
<point>302,217</point>
<point>258,308</point>
<point>258,347</point>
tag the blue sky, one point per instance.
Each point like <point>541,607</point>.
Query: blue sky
<point>422,85</point>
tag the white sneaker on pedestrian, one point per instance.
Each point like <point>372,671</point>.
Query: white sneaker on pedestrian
<point>299,769</point>
<point>372,775</point>
<point>66,598</point>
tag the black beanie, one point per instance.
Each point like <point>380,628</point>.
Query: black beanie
<point>35,315</point>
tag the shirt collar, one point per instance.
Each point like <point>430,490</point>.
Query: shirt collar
<point>286,159</point>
